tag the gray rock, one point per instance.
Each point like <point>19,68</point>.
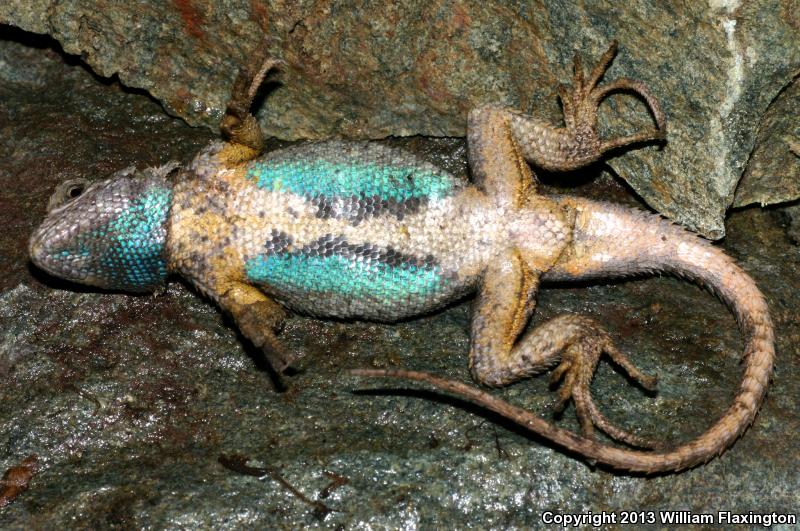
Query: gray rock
<point>416,68</point>
<point>773,172</point>
<point>792,213</point>
<point>130,401</point>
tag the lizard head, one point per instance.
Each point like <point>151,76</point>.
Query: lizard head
<point>110,234</point>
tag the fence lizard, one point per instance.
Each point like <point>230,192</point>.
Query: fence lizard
<point>358,230</point>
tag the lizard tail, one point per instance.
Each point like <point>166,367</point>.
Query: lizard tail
<point>612,241</point>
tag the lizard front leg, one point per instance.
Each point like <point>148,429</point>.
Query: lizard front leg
<point>578,143</point>
<point>239,127</point>
<point>504,304</point>
<point>258,318</point>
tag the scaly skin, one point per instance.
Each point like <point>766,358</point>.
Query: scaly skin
<point>358,230</point>
<point>611,241</point>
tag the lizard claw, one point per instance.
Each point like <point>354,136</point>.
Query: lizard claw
<point>238,126</point>
<point>580,104</point>
<point>576,370</point>
<point>578,143</point>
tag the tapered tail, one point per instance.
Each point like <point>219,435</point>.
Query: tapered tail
<point>614,241</point>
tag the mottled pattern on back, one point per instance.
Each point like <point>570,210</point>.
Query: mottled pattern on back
<point>342,186</point>
<point>353,180</point>
<point>337,229</point>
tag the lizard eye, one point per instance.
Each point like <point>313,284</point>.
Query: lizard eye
<point>66,192</point>
<point>75,191</point>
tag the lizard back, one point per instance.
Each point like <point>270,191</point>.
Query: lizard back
<point>338,229</point>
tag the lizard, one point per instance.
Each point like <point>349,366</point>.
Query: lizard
<point>358,230</point>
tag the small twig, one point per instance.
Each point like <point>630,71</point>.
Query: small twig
<point>238,463</point>
<point>336,482</point>
<point>501,452</point>
<point>468,435</point>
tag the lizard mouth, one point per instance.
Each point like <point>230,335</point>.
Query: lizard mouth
<point>43,253</point>
<point>52,249</point>
<point>38,249</point>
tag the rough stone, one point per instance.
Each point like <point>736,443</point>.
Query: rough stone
<point>130,402</point>
<point>773,172</point>
<point>791,213</point>
<point>416,68</point>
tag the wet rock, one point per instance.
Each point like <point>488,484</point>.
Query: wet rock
<point>136,406</point>
<point>773,171</point>
<point>792,215</point>
<point>417,68</point>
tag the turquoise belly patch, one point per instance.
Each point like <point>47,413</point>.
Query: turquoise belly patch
<point>347,170</point>
<point>333,266</point>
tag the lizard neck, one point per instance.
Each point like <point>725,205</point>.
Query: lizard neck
<point>141,238</point>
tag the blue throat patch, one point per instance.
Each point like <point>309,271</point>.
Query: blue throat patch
<point>128,251</point>
<point>137,258</point>
<point>136,255</point>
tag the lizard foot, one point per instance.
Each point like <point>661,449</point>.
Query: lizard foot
<point>581,103</point>
<point>578,364</point>
<point>258,318</point>
<point>578,143</point>
<point>239,127</point>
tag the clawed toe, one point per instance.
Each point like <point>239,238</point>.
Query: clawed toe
<point>578,143</point>
<point>577,368</point>
<point>646,381</point>
<point>602,65</point>
<point>238,126</point>
<point>581,103</point>
<point>614,431</point>
<point>564,393</point>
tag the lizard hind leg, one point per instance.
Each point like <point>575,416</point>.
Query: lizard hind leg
<point>578,143</point>
<point>503,306</point>
<point>577,342</point>
<point>582,341</point>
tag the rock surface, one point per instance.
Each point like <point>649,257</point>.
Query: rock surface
<point>773,171</point>
<point>417,68</point>
<point>141,408</point>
